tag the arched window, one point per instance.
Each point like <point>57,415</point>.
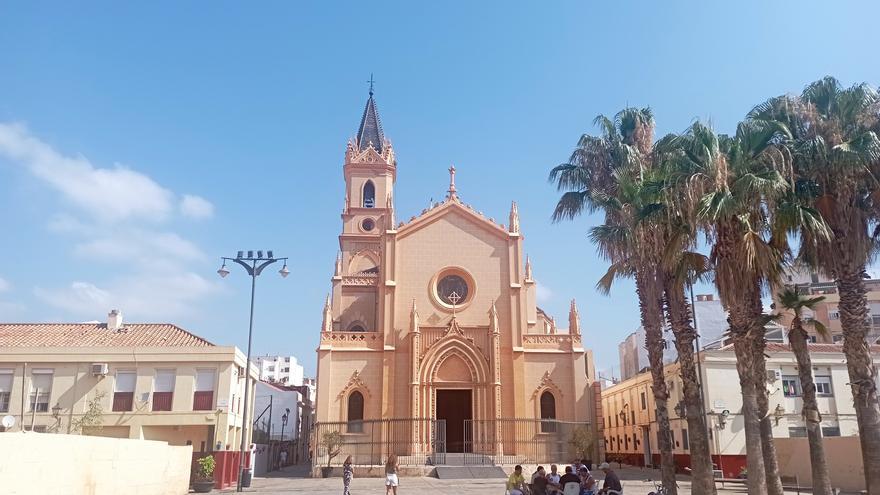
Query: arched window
<point>357,327</point>
<point>369,195</point>
<point>356,412</point>
<point>548,413</point>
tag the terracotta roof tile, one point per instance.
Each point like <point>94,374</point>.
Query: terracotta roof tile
<point>97,335</point>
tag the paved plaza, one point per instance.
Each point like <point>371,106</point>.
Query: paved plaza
<point>292,480</point>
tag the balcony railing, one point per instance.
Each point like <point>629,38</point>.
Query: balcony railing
<point>123,401</point>
<point>203,401</point>
<point>162,401</point>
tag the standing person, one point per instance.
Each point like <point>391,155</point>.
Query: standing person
<point>553,480</point>
<point>611,486</point>
<point>516,484</point>
<point>283,457</point>
<point>391,479</point>
<point>347,475</point>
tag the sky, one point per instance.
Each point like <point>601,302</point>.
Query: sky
<point>142,141</point>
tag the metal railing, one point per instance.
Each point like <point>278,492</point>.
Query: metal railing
<point>420,442</point>
<point>525,441</point>
<point>415,441</point>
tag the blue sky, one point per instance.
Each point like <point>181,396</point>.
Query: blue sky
<point>141,141</point>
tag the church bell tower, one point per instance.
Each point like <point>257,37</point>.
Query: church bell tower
<point>370,170</point>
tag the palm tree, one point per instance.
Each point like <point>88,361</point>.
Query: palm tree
<point>665,212</point>
<point>790,300</point>
<point>836,154</point>
<point>604,174</point>
<point>728,181</point>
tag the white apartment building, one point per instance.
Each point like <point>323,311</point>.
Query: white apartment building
<point>280,369</point>
<point>629,427</point>
<point>151,381</point>
<point>711,323</point>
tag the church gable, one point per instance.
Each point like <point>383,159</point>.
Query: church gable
<point>455,212</point>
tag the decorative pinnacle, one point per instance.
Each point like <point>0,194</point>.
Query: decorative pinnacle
<point>574,319</point>
<point>327,322</point>
<point>338,270</point>
<point>452,194</point>
<point>528,268</point>
<point>514,218</point>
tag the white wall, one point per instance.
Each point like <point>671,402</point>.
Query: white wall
<point>281,399</point>
<point>51,464</point>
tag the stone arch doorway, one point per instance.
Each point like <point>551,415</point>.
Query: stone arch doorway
<point>454,387</point>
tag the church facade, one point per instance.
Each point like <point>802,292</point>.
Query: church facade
<point>434,320</point>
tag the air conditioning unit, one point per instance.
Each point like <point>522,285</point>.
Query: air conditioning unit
<point>774,375</point>
<point>100,369</point>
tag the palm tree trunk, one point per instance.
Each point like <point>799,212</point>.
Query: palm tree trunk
<point>741,322</point>
<point>768,448</point>
<point>703,481</point>
<point>798,339</point>
<point>650,305</point>
<point>853,317</point>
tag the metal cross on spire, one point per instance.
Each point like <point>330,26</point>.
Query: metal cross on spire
<point>371,81</point>
<point>454,297</point>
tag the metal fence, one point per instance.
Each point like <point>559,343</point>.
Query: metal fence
<point>419,442</point>
<point>525,441</point>
<point>416,442</point>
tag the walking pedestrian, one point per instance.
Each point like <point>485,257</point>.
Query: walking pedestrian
<point>347,475</point>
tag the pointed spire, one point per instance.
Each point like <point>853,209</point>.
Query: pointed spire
<point>528,268</point>
<point>327,322</point>
<point>338,270</point>
<point>370,130</point>
<point>493,320</point>
<point>574,320</point>
<point>514,218</point>
<point>414,315</point>
<point>553,325</point>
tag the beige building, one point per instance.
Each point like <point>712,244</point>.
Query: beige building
<point>159,382</point>
<point>629,424</point>
<point>826,312</point>
<point>436,318</point>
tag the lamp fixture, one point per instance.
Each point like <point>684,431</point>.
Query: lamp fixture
<point>223,272</point>
<point>284,271</point>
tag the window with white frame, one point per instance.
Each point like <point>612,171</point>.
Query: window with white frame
<point>797,431</point>
<point>837,338</point>
<point>203,397</point>
<point>123,390</point>
<point>812,339</point>
<point>791,386</point>
<point>5,389</point>
<point>823,386</point>
<point>41,389</point>
<point>163,390</point>
<point>833,314</point>
<point>830,431</point>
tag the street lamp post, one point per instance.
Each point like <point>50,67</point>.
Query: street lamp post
<point>254,266</point>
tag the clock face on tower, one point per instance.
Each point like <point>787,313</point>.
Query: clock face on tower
<point>452,289</point>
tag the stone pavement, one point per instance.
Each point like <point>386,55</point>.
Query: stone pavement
<point>292,480</point>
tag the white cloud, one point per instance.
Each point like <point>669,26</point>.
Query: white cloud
<point>542,292</point>
<point>144,297</point>
<point>107,194</point>
<point>196,207</point>
<point>138,246</point>
<point>113,223</point>
<point>4,285</point>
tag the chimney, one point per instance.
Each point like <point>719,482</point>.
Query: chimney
<point>114,320</point>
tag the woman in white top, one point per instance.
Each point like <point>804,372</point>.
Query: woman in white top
<point>391,479</point>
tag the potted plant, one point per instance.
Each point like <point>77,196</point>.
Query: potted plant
<point>204,481</point>
<point>333,443</point>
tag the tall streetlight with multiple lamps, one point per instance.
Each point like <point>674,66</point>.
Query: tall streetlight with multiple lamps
<point>254,265</point>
